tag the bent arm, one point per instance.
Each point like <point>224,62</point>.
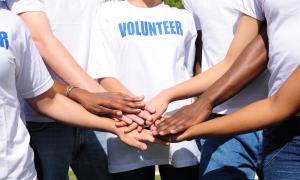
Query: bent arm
<point>55,55</point>
<point>252,61</point>
<point>246,32</point>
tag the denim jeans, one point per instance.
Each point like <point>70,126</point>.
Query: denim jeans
<point>58,146</point>
<point>234,157</point>
<point>281,151</point>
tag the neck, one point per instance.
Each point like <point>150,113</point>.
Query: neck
<point>145,3</point>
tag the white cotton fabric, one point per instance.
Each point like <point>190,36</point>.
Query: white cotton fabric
<point>22,73</point>
<point>218,21</point>
<point>283,25</point>
<point>70,22</point>
<point>148,50</point>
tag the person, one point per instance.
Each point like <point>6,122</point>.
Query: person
<point>279,111</point>
<point>144,47</point>
<point>24,74</point>
<point>219,51</point>
<point>63,42</point>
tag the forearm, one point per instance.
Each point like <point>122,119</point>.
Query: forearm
<point>69,112</point>
<point>259,115</point>
<point>55,55</point>
<point>114,85</point>
<point>248,65</point>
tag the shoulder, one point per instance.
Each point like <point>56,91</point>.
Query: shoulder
<point>10,21</point>
<point>20,6</point>
<point>182,14</point>
<point>109,9</point>
<point>111,6</point>
<point>13,29</point>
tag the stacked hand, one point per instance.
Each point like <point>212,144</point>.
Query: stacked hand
<point>132,115</point>
<point>178,127</point>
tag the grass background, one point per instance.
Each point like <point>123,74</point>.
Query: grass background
<point>173,3</point>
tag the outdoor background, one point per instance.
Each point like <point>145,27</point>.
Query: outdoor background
<point>173,3</point>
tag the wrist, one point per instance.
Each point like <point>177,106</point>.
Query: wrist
<point>205,101</point>
<point>167,95</point>
<point>76,93</point>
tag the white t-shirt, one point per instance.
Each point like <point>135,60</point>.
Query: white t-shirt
<point>22,73</point>
<point>218,21</point>
<point>283,25</point>
<point>70,21</point>
<point>148,50</point>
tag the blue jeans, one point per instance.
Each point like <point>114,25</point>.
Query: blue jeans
<point>230,157</point>
<point>58,146</point>
<point>281,151</point>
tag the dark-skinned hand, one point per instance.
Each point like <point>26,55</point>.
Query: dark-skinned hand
<point>184,118</point>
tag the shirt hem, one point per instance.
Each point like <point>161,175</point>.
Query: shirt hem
<point>133,166</point>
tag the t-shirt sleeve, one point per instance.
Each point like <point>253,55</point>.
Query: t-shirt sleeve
<point>101,59</point>
<point>252,8</point>
<point>188,5</point>
<point>20,6</point>
<point>32,76</point>
<point>190,48</point>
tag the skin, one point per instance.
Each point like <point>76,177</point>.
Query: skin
<point>96,103</point>
<point>268,112</point>
<point>67,111</point>
<point>244,48</point>
<point>60,61</point>
<point>114,85</point>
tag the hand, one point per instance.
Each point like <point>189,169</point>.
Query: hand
<point>136,139</point>
<point>160,104</point>
<point>139,118</point>
<point>108,103</point>
<point>128,127</point>
<point>184,118</point>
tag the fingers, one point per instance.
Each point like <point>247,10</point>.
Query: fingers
<point>126,119</point>
<point>149,109</point>
<point>145,115</point>
<point>131,127</point>
<point>120,124</point>
<point>140,145</point>
<point>139,128</point>
<point>136,119</point>
<point>100,110</point>
<point>133,98</point>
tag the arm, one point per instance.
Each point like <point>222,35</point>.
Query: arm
<point>105,103</point>
<point>268,112</point>
<point>247,66</point>
<point>66,111</point>
<point>246,32</point>
<point>161,101</point>
<point>54,53</point>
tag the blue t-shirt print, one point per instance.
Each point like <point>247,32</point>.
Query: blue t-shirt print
<point>145,28</point>
<point>4,40</point>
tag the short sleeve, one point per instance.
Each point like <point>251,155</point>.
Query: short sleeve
<point>189,6</point>
<point>252,8</point>
<point>101,61</point>
<point>32,76</point>
<point>190,48</point>
<point>21,6</point>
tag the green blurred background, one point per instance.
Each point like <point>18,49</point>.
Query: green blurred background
<point>175,3</point>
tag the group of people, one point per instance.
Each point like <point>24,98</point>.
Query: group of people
<point>209,92</point>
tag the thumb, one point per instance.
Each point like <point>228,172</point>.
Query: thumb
<point>139,145</point>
